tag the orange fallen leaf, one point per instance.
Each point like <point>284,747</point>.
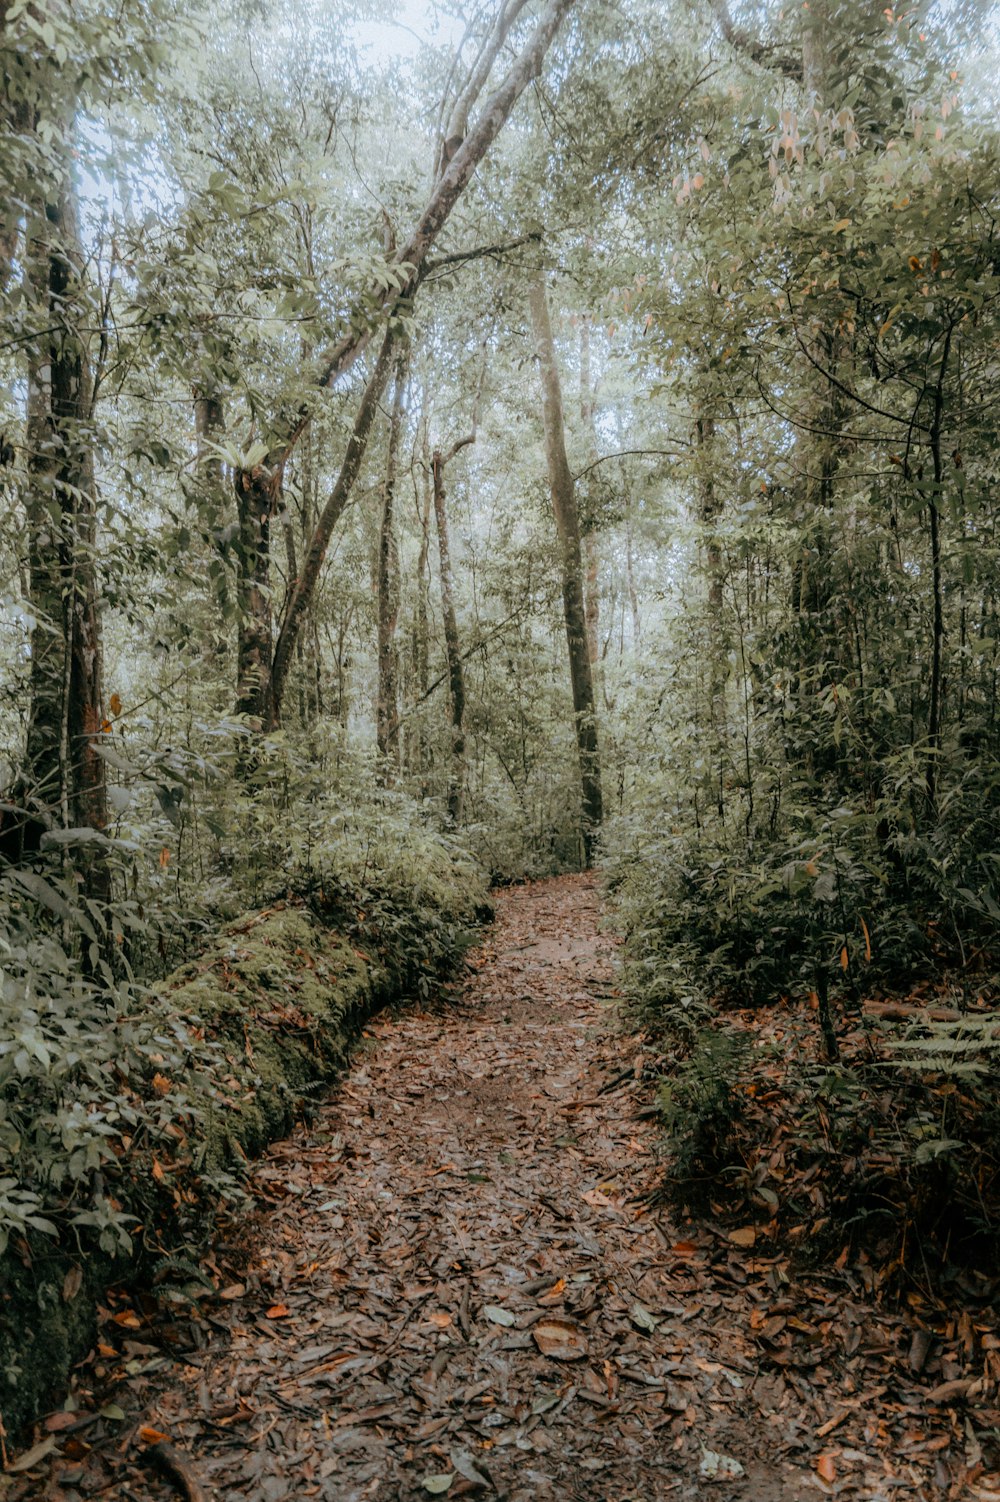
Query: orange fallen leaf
<point>129,1320</point>
<point>826,1468</point>
<point>278,1311</point>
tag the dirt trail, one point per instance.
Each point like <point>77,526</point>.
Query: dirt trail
<point>459,1276</point>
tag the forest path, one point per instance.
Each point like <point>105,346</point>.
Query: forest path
<point>458,1276</point>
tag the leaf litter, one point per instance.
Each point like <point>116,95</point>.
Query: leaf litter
<point>461,1283</point>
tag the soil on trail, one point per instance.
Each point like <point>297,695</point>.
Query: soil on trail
<point>460,1287</point>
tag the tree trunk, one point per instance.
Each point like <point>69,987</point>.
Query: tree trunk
<point>633,593</point>
<point>257,491</point>
<point>716,643</point>
<point>574,609</point>
<point>261,681</point>
<point>213,499</point>
<point>271,687</point>
<point>387,702</point>
<point>64,773</point>
<point>937,637</point>
<point>593,604</point>
<point>453,650</point>
<point>421,625</point>
<point>708,511</point>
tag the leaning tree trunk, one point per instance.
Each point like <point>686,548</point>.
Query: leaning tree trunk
<point>574,607</point>
<point>270,688</point>
<point>262,680</point>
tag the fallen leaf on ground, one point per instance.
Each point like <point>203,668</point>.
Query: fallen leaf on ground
<point>151,1436</point>
<point>718,1467</point>
<point>561,1339</point>
<point>36,1454</point>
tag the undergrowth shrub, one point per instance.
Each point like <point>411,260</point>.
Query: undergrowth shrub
<point>95,1062</point>
<point>700,1106</point>
<point>752,945</point>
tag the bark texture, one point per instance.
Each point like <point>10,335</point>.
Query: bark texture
<point>574,608</point>
<point>453,647</point>
<point>64,768</point>
<point>257,492</point>
<point>593,604</point>
<point>387,588</point>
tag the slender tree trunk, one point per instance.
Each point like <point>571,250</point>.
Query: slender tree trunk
<point>937,638</point>
<point>453,650</point>
<point>271,687</point>
<point>64,774</point>
<point>261,680</point>
<point>257,493</point>
<point>708,509</point>
<point>209,427</point>
<point>312,664</point>
<point>633,594</point>
<point>421,625</point>
<point>716,644</point>
<point>574,609</point>
<point>213,496</point>
<point>387,702</point>
<point>593,603</point>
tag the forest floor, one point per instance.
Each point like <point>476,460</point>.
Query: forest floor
<point>457,1282</point>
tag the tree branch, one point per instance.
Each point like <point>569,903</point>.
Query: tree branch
<point>409,260</point>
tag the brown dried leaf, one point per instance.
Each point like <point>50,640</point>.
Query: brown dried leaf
<point>561,1339</point>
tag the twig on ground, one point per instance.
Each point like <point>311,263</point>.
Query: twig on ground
<point>177,1470</point>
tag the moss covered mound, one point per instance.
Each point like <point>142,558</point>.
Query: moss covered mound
<point>251,1028</point>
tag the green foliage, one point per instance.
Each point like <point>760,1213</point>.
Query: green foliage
<point>82,1059</point>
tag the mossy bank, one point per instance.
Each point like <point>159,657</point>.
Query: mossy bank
<point>250,1030</point>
